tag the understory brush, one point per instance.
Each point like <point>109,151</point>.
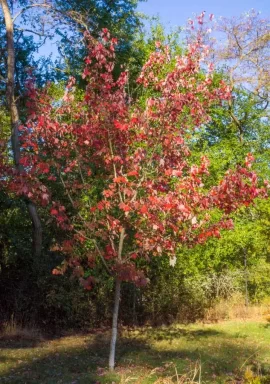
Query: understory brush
<point>12,330</point>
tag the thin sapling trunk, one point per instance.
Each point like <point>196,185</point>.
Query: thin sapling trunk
<point>114,324</point>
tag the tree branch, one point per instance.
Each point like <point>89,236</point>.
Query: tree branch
<point>98,250</point>
<point>121,243</point>
<point>40,34</point>
<point>42,5</point>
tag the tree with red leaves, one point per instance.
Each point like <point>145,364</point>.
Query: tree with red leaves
<point>130,189</point>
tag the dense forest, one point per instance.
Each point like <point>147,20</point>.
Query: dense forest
<point>134,166</point>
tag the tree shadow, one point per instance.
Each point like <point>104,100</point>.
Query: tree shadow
<point>36,340</point>
<point>19,343</point>
<point>172,333</point>
<point>86,361</point>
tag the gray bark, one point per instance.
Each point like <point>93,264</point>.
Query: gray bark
<point>37,229</point>
<point>14,116</point>
<point>114,324</point>
<point>246,279</point>
<point>116,305</point>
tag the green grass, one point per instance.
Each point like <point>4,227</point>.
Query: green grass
<point>223,350</point>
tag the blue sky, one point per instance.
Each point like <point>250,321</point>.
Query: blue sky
<point>176,12</point>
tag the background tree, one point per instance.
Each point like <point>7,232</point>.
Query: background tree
<point>244,50</point>
<point>14,120</point>
<point>239,126</point>
<point>244,53</point>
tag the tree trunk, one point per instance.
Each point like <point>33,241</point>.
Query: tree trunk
<point>14,116</point>
<point>246,279</point>
<point>134,314</point>
<point>114,324</point>
<point>37,229</point>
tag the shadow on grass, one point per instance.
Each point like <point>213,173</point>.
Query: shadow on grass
<point>86,361</point>
<point>172,333</point>
<point>19,343</point>
<point>37,341</point>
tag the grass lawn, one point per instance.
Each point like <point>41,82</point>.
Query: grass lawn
<point>222,351</point>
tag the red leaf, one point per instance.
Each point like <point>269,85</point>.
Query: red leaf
<point>144,209</point>
<point>133,173</point>
<point>56,271</point>
<point>124,207</point>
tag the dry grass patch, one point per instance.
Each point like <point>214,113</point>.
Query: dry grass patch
<point>235,309</point>
<point>13,331</point>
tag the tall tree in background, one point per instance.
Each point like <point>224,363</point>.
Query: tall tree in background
<point>244,51</point>
<point>15,121</point>
<point>119,17</point>
<point>239,126</point>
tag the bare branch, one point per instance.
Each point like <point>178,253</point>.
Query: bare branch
<point>244,48</point>
<point>121,243</point>
<point>40,34</point>
<point>41,5</point>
